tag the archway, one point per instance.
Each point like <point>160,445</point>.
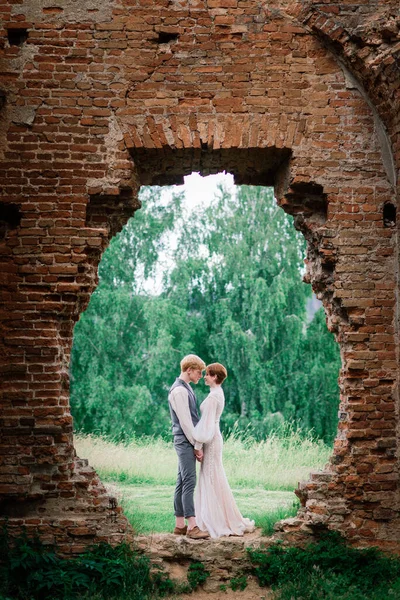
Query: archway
<point>250,314</point>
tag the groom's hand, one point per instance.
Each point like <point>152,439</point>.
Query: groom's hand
<point>199,455</point>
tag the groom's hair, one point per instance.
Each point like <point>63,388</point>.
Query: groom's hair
<point>191,361</point>
<point>218,370</point>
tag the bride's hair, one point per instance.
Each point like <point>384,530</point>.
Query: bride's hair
<point>218,370</point>
<point>191,361</point>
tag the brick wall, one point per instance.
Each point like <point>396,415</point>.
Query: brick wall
<point>102,98</point>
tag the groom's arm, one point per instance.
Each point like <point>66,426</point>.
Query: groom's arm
<point>179,399</point>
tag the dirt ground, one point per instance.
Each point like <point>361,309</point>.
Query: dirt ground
<point>252,592</point>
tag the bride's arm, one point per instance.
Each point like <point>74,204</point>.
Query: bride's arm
<point>205,428</point>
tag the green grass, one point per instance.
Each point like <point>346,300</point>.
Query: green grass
<point>283,511</point>
<point>149,508</point>
<point>263,475</point>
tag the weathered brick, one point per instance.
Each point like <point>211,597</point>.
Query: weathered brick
<point>238,79</point>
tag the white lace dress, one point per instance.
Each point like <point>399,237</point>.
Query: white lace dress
<point>215,507</point>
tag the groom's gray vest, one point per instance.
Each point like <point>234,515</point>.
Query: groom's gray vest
<point>176,428</point>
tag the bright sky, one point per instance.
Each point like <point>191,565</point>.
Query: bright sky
<point>200,190</point>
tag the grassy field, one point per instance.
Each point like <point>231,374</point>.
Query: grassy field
<point>262,475</point>
<point>149,507</point>
<point>277,463</point>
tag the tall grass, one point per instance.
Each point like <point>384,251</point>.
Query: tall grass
<point>276,463</point>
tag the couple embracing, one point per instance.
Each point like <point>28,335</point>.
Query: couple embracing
<point>212,510</point>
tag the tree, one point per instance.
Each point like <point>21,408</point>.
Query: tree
<point>118,353</point>
<point>317,375</point>
<point>241,269</point>
<point>233,294</point>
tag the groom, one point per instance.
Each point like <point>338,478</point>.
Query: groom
<point>184,415</point>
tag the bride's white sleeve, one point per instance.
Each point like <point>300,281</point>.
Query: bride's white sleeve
<point>205,428</point>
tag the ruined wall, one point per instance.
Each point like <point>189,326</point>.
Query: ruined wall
<point>99,98</point>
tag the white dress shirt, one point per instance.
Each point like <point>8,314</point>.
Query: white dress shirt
<point>179,399</point>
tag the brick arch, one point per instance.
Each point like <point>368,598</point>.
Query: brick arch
<point>124,97</point>
<point>368,45</point>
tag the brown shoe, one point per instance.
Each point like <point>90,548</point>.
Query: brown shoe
<point>196,534</point>
<point>180,530</point>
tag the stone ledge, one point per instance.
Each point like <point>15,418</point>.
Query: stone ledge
<point>224,557</point>
<point>168,545</point>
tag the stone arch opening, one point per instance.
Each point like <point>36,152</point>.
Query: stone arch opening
<point>308,202</point>
<point>251,166</point>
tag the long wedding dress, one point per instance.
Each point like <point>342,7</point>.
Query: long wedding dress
<point>215,507</point>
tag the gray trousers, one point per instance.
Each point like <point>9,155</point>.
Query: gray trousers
<point>186,481</point>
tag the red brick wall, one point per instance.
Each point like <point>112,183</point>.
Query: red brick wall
<point>102,98</point>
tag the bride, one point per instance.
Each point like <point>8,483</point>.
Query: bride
<point>215,507</point>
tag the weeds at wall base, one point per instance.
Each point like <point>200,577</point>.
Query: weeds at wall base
<point>327,570</point>
<point>31,571</point>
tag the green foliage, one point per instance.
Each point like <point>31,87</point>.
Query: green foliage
<point>31,571</point>
<point>250,293</point>
<point>162,583</point>
<point>328,569</point>
<point>267,521</point>
<point>119,344</point>
<point>239,583</point>
<point>317,380</point>
<point>234,294</point>
<point>321,586</point>
<point>197,574</point>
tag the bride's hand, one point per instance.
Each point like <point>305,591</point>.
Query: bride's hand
<point>199,455</point>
